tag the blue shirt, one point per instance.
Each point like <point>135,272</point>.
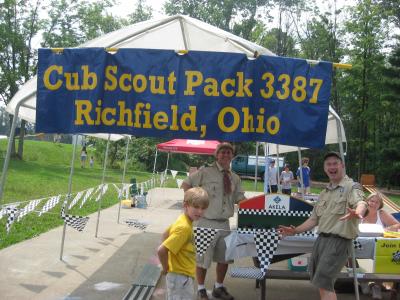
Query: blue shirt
<point>306,176</point>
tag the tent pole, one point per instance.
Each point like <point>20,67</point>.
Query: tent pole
<point>68,196</point>
<point>301,172</point>
<point>102,182</point>
<point>8,154</point>
<point>256,170</point>
<point>340,140</point>
<point>155,162</point>
<point>166,167</point>
<point>123,177</point>
<point>278,174</point>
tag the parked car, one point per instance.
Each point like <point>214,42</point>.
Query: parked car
<point>245,165</point>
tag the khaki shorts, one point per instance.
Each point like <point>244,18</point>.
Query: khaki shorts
<point>179,287</point>
<point>329,256</point>
<point>216,250</point>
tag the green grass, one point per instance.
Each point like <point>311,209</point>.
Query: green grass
<point>44,172</point>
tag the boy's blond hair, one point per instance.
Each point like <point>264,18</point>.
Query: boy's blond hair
<point>197,197</point>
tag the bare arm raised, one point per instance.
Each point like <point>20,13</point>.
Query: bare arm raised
<point>292,230</point>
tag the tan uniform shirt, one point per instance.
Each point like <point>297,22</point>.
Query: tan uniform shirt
<point>332,205</point>
<point>221,206</point>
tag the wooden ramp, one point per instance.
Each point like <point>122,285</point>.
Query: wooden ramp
<point>368,183</point>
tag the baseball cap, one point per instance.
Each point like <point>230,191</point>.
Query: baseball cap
<point>332,154</point>
<point>224,145</point>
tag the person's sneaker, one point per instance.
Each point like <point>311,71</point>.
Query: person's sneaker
<point>221,293</point>
<point>202,295</point>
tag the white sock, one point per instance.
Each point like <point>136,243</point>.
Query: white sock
<point>201,287</point>
<point>218,285</point>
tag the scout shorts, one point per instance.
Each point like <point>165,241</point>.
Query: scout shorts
<point>329,256</point>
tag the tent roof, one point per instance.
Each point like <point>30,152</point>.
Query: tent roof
<point>174,33</point>
<point>104,136</point>
<point>189,146</point>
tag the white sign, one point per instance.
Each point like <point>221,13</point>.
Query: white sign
<point>277,202</point>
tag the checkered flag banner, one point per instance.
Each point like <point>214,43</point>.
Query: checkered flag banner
<point>86,197</point>
<point>53,201</point>
<point>2,212</point>
<point>118,190</point>
<point>98,188</point>
<point>102,192</point>
<point>266,243</point>
<point>357,244</point>
<point>135,223</point>
<point>307,233</point>
<point>78,197</point>
<point>264,212</point>
<point>203,237</point>
<point>28,208</point>
<point>12,213</point>
<point>76,222</point>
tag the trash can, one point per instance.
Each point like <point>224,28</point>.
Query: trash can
<point>141,201</point>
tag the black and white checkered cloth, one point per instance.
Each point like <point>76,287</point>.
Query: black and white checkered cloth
<point>266,243</point>
<point>76,222</point>
<point>53,201</point>
<point>78,196</point>
<point>136,224</point>
<point>264,212</point>
<point>12,213</point>
<point>246,272</point>
<point>357,244</point>
<point>202,238</point>
<point>28,208</point>
<point>396,256</point>
<point>86,197</point>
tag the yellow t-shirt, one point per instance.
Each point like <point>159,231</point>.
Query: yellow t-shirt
<point>180,243</point>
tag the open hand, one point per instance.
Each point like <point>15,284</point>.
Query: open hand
<point>351,213</point>
<point>286,230</point>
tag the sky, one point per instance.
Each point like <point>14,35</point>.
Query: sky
<point>127,6</point>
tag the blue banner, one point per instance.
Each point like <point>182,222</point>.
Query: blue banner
<point>198,95</point>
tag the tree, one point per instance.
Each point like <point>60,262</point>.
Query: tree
<point>321,42</point>
<point>19,23</point>
<point>142,12</point>
<point>236,16</point>
<point>71,23</point>
<point>363,88</point>
<point>389,167</point>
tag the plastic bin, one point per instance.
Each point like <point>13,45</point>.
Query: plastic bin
<point>299,263</point>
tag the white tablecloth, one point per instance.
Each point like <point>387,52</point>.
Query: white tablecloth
<point>242,245</point>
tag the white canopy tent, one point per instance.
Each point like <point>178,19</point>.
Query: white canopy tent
<point>175,33</point>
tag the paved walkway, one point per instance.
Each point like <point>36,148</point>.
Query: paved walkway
<point>104,267</point>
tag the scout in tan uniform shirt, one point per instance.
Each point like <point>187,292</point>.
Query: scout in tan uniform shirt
<point>224,191</point>
<point>337,214</point>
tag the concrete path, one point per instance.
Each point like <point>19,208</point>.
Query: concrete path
<point>104,267</point>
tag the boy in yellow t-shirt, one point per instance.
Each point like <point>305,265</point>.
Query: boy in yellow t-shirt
<point>177,252</point>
